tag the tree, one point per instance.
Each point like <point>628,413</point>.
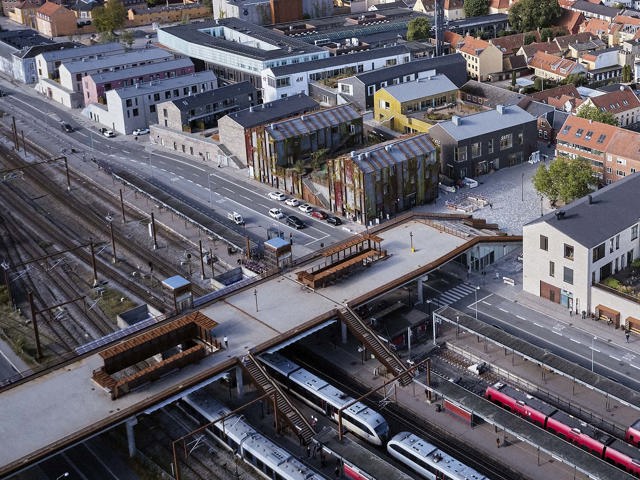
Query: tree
<point>576,79</point>
<point>626,74</point>
<point>109,17</point>
<point>566,179</point>
<point>529,38</point>
<point>418,29</point>
<point>126,38</point>
<point>513,79</point>
<point>475,8</point>
<point>594,113</point>
<point>528,15</point>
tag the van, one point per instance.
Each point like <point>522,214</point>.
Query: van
<point>236,218</point>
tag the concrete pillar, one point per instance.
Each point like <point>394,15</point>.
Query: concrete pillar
<point>239,384</point>
<point>343,331</point>
<point>131,436</point>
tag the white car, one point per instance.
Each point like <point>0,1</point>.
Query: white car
<point>292,202</point>
<point>276,213</point>
<point>277,196</point>
<point>140,131</point>
<point>305,208</point>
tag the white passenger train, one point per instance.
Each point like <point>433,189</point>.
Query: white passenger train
<point>428,460</point>
<point>358,418</point>
<point>267,458</point>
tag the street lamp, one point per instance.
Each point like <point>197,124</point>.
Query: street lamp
<point>592,350</point>
<point>457,326</point>
<point>210,190</point>
<point>541,211</point>
<point>411,241</point>
<point>255,294</point>
<point>475,290</point>
<point>65,474</point>
<point>522,186</point>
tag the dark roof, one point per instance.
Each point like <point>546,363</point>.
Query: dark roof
<point>595,8</point>
<point>609,213</point>
<point>195,33</point>
<point>494,95</point>
<point>32,51</point>
<point>20,39</point>
<point>273,111</point>
<point>453,66</point>
<point>387,154</point>
<point>338,61</point>
<point>312,122</point>
<point>212,96</point>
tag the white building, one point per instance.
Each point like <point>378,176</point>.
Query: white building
<point>135,106</point>
<point>569,252</point>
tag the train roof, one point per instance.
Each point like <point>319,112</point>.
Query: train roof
<point>453,468</point>
<point>626,449</point>
<point>584,427</point>
<point>519,395</point>
<point>279,363</point>
<point>635,425</point>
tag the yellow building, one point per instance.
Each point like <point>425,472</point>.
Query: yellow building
<point>482,57</point>
<point>407,107</point>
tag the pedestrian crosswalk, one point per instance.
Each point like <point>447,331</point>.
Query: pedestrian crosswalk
<point>455,294</point>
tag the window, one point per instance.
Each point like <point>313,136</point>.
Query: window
<point>620,173</point>
<point>506,141</point>
<point>634,232</point>
<point>345,89</point>
<point>476,149</point>
<point>568,252</point>
<point>552,269</point>
<point>156,97</point>
<point>544,243</point>
<point>520,138</point>
<point>579,132</point>
<point>617,242</point>
<point>598,252</point>
<point>135,112</point>
<point>566,129</point>
<point>568,275</point>
<point>460,154</point>
<point>601,138</point>
<point>129,103</point>
<point>371,89</point>
<point>611,240</point>
<point>384,105</point>
<point>490,146</point>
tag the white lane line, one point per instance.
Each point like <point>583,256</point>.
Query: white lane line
<point>557,332</point>
<point>246,198</point>
<point>596,350</point>
<point>520,317</point>
<point>486,303</point>
<point>227,189</point>
<point>575,341</point>
<point>636,366</point>
<point>9,361</point>
<point>503,310</point>
<point>538,325</point>
<point>125,151</point>
<point>617,359</point>
<point>177,161</point>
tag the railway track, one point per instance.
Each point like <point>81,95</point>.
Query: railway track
<point>400,419</point>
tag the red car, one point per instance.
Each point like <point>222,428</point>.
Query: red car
<point>319,214</point>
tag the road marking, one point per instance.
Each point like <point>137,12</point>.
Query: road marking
<point>538,325</point>
<point>615,358</point>
<point>636,366</point>
<point>575,341</point>
<point>485,302</point>
<point>595,350</point>
<point>520,317</point>
<point>557,332</point>
<point>227,189</point>
<point>246,198</point>
<point>503,310</point>
<point>127,152</point>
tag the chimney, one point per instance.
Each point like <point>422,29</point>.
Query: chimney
<point>501,109</point>
<point>622,88</point>
<point>456,120</point>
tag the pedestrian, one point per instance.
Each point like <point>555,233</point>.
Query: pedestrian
<point>490,205</point>
<point>498,442</point>
<point>226,342</point>
<point>337,471</point>
<point>308,451</point>
<point>627,335</point>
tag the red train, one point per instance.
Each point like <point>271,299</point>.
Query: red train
<point>569,428</point>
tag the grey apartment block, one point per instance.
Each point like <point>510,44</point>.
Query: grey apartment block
<point>202,111</point>
<point>360,89</point>
<point>486,141</point>
<point>136,106</point>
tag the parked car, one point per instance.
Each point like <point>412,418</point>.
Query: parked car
<point>319,214</point>
<point>305,208</point>
<point>276,213</point>
<point>292,202</point>
<point>277,196</point>
<point>107,133</point>
<point>140,131</point>
<point>334,221</point>
<point>66,127</point>
<point>295,222</point>
<point>236,218</point>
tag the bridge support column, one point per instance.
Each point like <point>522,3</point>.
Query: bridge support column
<point>239,384</point>
<point>420,288</point>
<point>131,436</point>
<point>343,332</point>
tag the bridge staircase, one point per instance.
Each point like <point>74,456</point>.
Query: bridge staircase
<point>319,196</point>
<point>373,342</point>
<point>260,377</point>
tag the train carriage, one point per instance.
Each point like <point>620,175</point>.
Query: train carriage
<point>520,403</point>
<point>633,433</point>
<point>321,395</point>
<point>427,460</point>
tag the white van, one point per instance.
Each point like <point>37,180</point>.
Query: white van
<point>236,218</point>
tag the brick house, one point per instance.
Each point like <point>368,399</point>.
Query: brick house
<point>54,20</point>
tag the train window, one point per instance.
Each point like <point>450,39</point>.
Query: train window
<point>268,471</point>
<point>357,423</point>
<point>259,464</point>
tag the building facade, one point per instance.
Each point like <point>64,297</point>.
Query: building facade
<point>375,182</point>
<point>486,141</point>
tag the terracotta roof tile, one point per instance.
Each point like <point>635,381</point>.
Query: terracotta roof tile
<point>561,67</point>
<point>617,101</point>
<point>556,92</point>
<point>511,43</point>
<point>473,46</point>
<point>586,133</point>
<point>49,8</point>
<point>625,143</point>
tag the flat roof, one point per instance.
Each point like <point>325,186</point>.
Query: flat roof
<point>163,84</point>
<point>69,403</point>
<point>424,87</point>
